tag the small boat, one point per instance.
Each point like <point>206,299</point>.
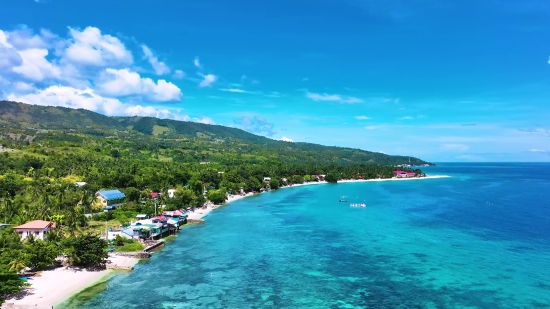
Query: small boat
<point>358,205</point>
<point>342,201</point>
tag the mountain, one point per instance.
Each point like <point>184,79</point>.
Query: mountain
<point>56,129</point>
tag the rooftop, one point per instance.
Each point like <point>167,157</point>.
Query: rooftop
<point>112,194</point>
<point>35,225</point>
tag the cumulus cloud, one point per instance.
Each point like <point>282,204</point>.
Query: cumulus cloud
<point>286,139</point>
<point>256,125</point>
<point>406,118</point>
<point>90,47</point>
<point>208,80</point>
<point>86,69</point>
<point>362,117</point>
<point>160,67</point>
<point>332,97</point>
<point>123,82</point>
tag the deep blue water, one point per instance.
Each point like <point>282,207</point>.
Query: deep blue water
<point>479,239</point>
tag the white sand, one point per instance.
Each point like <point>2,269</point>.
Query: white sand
<point>52,287</point>
<point>202,212</point>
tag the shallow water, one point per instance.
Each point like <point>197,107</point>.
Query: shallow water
<point>480,239</point>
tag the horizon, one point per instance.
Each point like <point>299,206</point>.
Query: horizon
<point>444,82</point>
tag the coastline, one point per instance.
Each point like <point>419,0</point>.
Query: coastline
<point>199,214</point>
<point>54,286</point>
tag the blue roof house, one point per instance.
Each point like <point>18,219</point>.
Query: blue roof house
<point>110,199</point>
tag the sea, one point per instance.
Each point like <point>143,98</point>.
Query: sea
<point>477,239</point>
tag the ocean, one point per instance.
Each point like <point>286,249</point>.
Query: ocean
<point>478,239</point>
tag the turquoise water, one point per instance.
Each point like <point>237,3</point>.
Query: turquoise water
<point>480,239</point>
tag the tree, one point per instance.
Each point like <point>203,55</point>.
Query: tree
<point>274,184</point>
<point>186,196</point>
<point>85,250</point>
<point>217,196</point>
<point>332,177</point>
<point>10,283</point>
<point>40,254</point>
<point>115,153</point>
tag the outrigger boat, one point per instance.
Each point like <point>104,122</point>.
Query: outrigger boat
<point>343,199</point>
<point>358,205</point>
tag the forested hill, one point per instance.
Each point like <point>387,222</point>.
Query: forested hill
<point>47,130</point>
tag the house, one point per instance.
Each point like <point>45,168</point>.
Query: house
<point>403,174</point>
<point>321,177</point>
<point>110,199</point>
<point>142,217</point>
<point>267,179</point>
<point>172,193</point>
<point>80,184</point>
<point>154,195</point>
<point>37,228</point>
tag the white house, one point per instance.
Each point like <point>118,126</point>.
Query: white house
<point>37,228</point>
<point>172,193</point>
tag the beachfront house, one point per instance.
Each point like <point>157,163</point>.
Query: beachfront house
<point>403,174</point>
<point>36,228</point>
<point>172,193</point>
<point>142,217</point>
<point>267,179</point>
<point>110,199</point>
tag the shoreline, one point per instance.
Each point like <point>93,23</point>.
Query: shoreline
<point>200,213</point>
<point>53,287</point>
<point>56,286</point>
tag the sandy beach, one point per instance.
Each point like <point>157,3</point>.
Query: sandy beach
<point>202,212</point>
<point>52,287</point>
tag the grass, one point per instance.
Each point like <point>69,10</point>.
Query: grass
<point>100,227</point>
<point>133,247</point>
<point>158,130</point>
<point>170,238</point>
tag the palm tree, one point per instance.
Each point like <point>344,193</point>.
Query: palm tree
<point>18,263</point>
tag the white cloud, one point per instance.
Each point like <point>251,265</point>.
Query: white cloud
<point>286,139</point>
<point>455,147</point>
<point>537,150</point>
<point>208,80</point>
<point>86,64</point>
<point>123,82</point>
<point>362,117</point>
<point>372,127</point>
<point>332,97</point>
<point>160,67</point>
<point>406,118</point>
<point>204,119</point>
<point>236,90</point>
<point>197,63</point>
<point>179,74</point>
<point>35,66</point>
<point>90,47</point>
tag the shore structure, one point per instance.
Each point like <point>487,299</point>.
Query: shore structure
<point>53,287</point>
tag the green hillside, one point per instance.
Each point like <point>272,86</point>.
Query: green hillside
<point>47,130</point>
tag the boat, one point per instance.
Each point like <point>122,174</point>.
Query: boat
<point>358,205</point>
<point>342,201</point>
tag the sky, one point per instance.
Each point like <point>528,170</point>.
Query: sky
<point>440,80</point>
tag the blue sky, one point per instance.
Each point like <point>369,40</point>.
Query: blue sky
<point>441,80</point>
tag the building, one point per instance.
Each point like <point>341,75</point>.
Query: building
<point>37,228</point>
<point>267,179</point>
<point>172,193</point>
<point>80,184</point>
<point>110,199</point>
<point>403,174</point>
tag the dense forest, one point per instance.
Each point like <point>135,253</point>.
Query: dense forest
<point>45,151</point>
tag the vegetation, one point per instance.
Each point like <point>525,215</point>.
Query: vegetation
<point>46,150</point>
